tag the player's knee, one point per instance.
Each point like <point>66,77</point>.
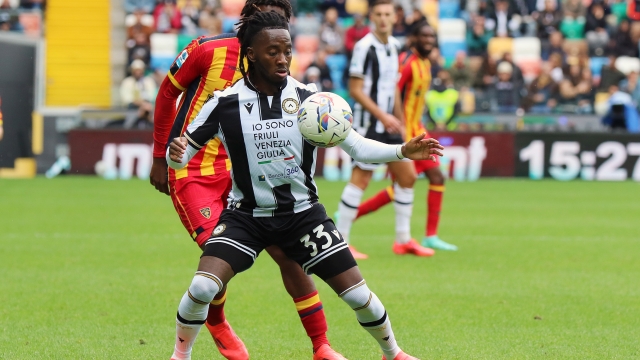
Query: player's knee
<point>407,180</point>
<point>436,177</point>
<point>360,178</point>
<point>205,286</point>
<point>364,302</point>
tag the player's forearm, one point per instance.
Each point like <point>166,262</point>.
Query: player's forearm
<point>367,103</point>
<point>398,110</point>
<point>370,151</point>
<point>164,115</point>
<point>189,153</point>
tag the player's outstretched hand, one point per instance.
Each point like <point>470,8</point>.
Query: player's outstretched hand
<point>158,176</point>
<point>177,148</point>
<point>420,148</point>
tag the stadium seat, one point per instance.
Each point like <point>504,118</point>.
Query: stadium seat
<point>596,63</point>
<point>525,49</point>
<point>430,10</point>
<point>146,20</point>
<point>357,7</point>
<point>449,10</point>
<point>448,50</point>
<point>164,45</point>
<point>307,43</point>
<point>530,68</point>
<point>498,46</point>
<point>228,24</point>
<point>601,105</point>
<point>300,63</point>
<point>628,64</point>
<point>337,64</point>
<point>452,30</point>
<point>575,47</point>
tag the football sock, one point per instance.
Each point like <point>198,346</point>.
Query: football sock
<point>192,311</point>
<point>372,317</point>
<point>403,204</point>
<point>379,200</point>
<point>311,314</point>
<point>434,204</point>
<point>215,315</point>
<point>348,208</point>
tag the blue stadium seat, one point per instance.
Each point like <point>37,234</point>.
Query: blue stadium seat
<point>449,49</point>
<point>228,24</point>
<point>449,9</point>
<point>337,64</point>
<point>161,63</point>
<point>596,63</point>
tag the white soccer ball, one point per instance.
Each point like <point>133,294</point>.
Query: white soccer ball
<point>324,119</point>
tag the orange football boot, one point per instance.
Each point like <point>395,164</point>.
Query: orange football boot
<point>357,254</point>
<point>325,352</point>
<point>228,343</point>
<point>402,356</point>
<point>412,247</point>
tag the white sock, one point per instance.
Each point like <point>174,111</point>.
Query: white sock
<point>348,208</point>
<point>192,311</point>
<point>403,204</point>
<point>372,317</point>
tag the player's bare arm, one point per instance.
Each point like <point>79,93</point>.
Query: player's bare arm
<point>398,111</point>
<point>391,123</point>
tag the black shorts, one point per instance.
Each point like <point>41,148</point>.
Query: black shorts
<point>310,238</point>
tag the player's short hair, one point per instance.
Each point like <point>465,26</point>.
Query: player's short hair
<point>375,3</point>
<point>251,7</point>
<point>250,26</point>
<point>416,27</point>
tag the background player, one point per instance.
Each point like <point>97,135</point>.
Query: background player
<point>282,210</point>
<point>415,77</point>
<point>372,83</point>
<point>200,190</point>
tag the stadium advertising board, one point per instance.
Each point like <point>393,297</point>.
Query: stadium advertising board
<point>111,153</point>
<point>471,155</point>
<point>568,156</point>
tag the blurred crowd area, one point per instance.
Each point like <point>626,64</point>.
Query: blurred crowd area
<point>505,56</point>
<point>22,16</point>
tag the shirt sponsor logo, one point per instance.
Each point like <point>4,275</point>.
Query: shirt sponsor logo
<point>182,58</point>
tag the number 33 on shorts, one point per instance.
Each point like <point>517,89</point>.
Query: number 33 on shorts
<point>320,235</point>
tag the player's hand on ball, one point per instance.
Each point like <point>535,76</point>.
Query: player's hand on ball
<point>420,148</point>
<point>177,148</point>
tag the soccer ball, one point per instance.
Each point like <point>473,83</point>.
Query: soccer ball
<point>324,119</point>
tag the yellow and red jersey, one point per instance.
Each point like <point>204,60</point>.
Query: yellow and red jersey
<point>415,79</point>
<point>207,64</point>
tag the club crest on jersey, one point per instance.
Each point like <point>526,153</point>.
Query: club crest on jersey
<point>290,106</point>
<point>206,212</point>
<point>219,229</point>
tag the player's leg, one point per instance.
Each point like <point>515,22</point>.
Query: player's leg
<point>323,251</point>
<point>233,251</point>
<point>434,206</point>
<point>405,176</point>
<point>350,200</point>
<point>382,198</point>
<point>301,288</point>
<point>199,202</point>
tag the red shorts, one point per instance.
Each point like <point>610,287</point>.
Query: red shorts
<point>199,200</point>
<point>426,165</point>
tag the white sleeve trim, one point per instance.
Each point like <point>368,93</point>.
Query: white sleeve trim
<point>370,151</point>
<point>188,155</point>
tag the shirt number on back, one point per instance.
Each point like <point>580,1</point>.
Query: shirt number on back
<point>320,233</point>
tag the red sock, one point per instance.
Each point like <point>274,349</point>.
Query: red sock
<point>376,202</point>
<point>434,204</point>
<point>312,316</point>
<point>216,309</point>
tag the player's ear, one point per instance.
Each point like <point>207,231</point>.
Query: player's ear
<point>251,55</point>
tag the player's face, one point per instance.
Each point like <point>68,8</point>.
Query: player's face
<point>425,41</point>
<point>383,16</point>
<point>271,55</point>
<point>277,9</point>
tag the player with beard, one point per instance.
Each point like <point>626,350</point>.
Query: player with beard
<point>415,78</point>
<point>267,209</point>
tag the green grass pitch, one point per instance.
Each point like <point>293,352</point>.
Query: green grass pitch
<point>94,269</point>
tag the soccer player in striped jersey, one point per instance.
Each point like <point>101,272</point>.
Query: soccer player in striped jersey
<point>415,78</point>
<point>274,198</point>
<point>199,191</point>
<point>372,83</point>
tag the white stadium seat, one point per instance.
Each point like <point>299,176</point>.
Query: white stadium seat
<point>628,64</point>
<point>164,45</point>
<point>526,48</point>
<point>452,30</point>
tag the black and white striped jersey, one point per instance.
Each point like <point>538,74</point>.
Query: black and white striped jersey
<point>377,64</point>
<point>272,166</point>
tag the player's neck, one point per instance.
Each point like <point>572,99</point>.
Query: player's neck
<point>415,51</point>
<point>382,37</point>
<point>263,85</point>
